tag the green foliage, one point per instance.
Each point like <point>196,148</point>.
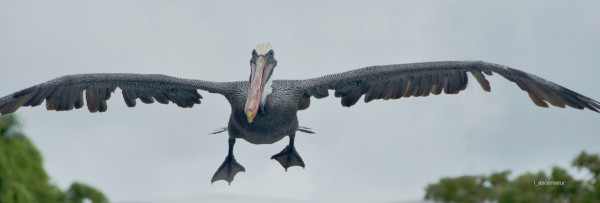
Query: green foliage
<point>558,186</point>
<point>22,175</point>
<point>590,162</point>
<point>79,191</point>
<point>460,189</point>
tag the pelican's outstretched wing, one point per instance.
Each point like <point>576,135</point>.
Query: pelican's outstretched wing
<point>422,79</point>
<point>66,92</point>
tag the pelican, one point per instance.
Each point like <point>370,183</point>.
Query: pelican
<point>263,110</point>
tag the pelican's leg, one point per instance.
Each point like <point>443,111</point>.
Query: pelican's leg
<point>229,167</point>
<point>288,157</point>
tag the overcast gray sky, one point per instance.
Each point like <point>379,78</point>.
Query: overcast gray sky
<point>381,151</point>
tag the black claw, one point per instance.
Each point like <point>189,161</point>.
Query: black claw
<point>289,157</point>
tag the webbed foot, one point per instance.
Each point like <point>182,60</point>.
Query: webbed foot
<point>227,170</point>
<point>289,157</point>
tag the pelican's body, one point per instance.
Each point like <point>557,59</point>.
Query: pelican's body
<point>278,110</point>
<point>263,111</point>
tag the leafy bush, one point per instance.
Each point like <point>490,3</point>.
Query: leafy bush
<point>22,175</point>
<point>558,186</point>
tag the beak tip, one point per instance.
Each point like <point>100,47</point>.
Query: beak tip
<point>250,116</point>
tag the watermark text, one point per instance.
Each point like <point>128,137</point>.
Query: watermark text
<point>547,182</point>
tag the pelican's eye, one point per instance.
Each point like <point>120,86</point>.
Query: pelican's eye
<point>271,53</point>
<point>253,52</point>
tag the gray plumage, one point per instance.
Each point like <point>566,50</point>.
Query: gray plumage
<point>422,79</point>
<point>375,82</point>
<point>66,92</point>
<point>276,117</point>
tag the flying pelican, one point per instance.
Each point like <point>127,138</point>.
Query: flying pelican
<point>263,111</point>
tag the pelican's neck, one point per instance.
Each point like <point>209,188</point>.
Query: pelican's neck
<point>268,90</point>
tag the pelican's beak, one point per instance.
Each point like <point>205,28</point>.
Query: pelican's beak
<point>261,71</point>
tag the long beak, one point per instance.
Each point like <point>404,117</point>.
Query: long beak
<point>257,86</point>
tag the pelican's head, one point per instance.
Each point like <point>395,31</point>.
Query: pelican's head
<point>262,64</point>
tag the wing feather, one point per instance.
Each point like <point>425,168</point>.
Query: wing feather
<point>424,85</point>
<point>485,84</point>
<point>67,92</point>
<point>423,79</point>
<point>79,101</point>
<point>129,96</point>
<point>437,82</point>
